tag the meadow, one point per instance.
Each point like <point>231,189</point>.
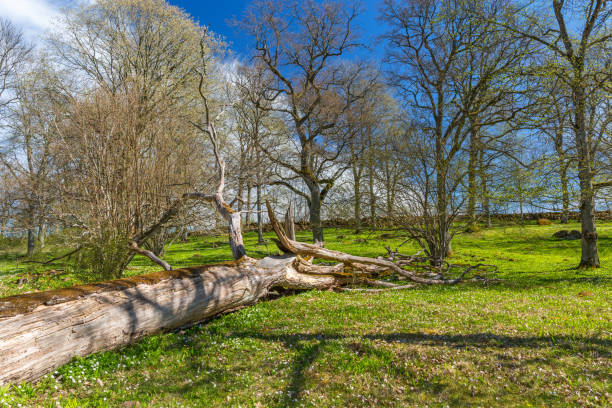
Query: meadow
<point>539,334</point>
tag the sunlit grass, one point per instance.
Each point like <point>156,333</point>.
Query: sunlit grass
<point>539,337</point>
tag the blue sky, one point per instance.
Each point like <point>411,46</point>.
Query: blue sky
<point>37,16</point>
<point>216,17</point>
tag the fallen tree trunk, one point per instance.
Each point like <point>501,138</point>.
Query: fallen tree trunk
<point>42,331</point>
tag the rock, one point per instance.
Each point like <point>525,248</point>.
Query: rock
<point>568,235</point>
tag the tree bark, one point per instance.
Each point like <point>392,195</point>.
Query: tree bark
<point>289,224</point>
<point>151,255</point>
<point>472,188</point>
<point>42,331</point>
<point>576,56</point>
<point>42,234</point>
<point>357,191</point>
<point>442,249</point>
<point>590,254</point>
<point>235,235</point>
<point>372,196</point>
<point>31,242</point>
<point>484,192</point>
<point>247,219</point>
<point>315,212</point>
<point>260,238</point>
<point>184,234</point>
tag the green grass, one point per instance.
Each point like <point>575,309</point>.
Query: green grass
<point>539,337</point>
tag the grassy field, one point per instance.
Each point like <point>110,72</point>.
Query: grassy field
<point>541,336</point>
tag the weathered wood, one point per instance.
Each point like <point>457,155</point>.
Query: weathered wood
<point>289,223</point>
<point>42,331</point>
<point>317,251</point>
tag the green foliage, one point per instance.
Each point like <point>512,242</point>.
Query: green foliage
<point>105,258</point>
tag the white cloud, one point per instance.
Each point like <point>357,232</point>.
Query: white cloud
<point>35,16</point>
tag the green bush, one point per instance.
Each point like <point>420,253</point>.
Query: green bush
<point>105,257</point>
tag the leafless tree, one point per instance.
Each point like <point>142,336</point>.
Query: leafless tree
<point>452,70</point>
<point>256,126</point>
<point>300,44</point>
<point>13,53</point>
<point>26,152</point>
<point>126,149</point>
<point>578,47</point>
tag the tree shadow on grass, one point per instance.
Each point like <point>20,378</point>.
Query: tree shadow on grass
<point>307,354</point>
<point>603,346</point>
<point>311,346</point>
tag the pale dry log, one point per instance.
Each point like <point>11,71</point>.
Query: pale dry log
<point>289,223</point>
<point>42,331</point>
<point>316,251</point>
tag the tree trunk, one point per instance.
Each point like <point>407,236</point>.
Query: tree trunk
<point>240,193</point>
<point>40,332</point>
<point>184,234</point>
<point>260,238</point>
<point>289,224</point>
<point>389,202</point>
<point>472,188</point>
<point>519,191</point>
<point>248,206</point>
<point>564,192</point>
<point>42,234</point>
<point>442,247</point>
<point>484,189</point>
<point>590,255</point>
<point>235,235</point>
<point>357,204</point>
<point>3,221</point>
<point>31,242</point>
<point>315,213</point>
<point>372,196</point>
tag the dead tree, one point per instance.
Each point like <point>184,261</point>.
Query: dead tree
<point>289,223</point>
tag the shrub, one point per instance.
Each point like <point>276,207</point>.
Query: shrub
<point>472,228</point>
<point>544,221</point>
<point>105,258</point>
